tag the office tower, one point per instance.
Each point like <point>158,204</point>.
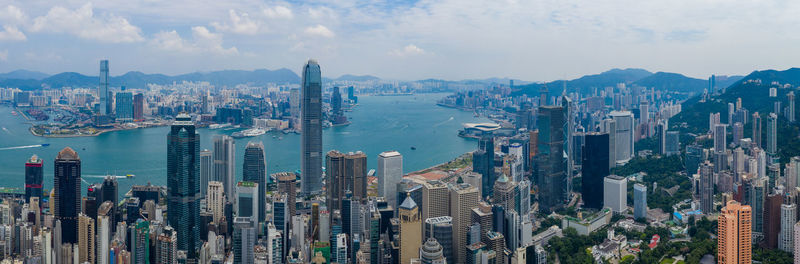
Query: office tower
<point>104,227</point>
<point>140,242</point>
<point>615,193</point>
<point>772,135</point>
<point>432,252</point>
<point>788,219</point>
<point>738,133</point>
<point>661,135</point>
<point>463,198</point>
<point>410,233</point>
<point>286,184</point>
<point>594,168</point>
<point>623,135</point>
<point>720,138</point>
<point>281,218</point>
<point>254,169</point>
<point>772,219</point>
<point>569,129</point>
<point>523,197</point>
<point>244,239</point>
<point>755,197</point>
<point>734,234</point>
<point>791,175</point>
<point>124,106</point>
<point>505,192</point>
<point>441,229</point>
<point>206,170</point>
<point>483,163</point>
<point>552,175</point>
<point>247,200</point>
<point>644,113</point>
<point>138,107</point>
<point>390,172</point>
<point>86,236</point>
<point>435,199</point>
<point>347,172</point>
<point>183,183</point>
<point>102,90</point>
<point>790,108</point>
<point>224,165</point>
<point>756,135</point>
<point>673,144</point>
<point>215,200</point>
<point>707,188</point>
<point>166,246</point>
<point>67,198</point>
<point>609,126</point>
<point>311,141</point>
<point>33,178</point>
<point>639,201</point>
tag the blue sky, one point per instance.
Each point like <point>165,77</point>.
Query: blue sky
<point>450,39</point>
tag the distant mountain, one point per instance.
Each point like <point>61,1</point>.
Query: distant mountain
<point>357,78</point>
<point>586,83</point>
<point>23,75</point>
<point>673,82</point>
<point>135,79</point>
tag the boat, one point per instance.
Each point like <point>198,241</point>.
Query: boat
<point>413,148</point>
<point>252,132</point>
<point>130,175</point>
<point>45,144</point>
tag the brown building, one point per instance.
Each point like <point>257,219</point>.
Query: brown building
<point>734,234</point>
<point>345,172</point>
<point>772,220</point>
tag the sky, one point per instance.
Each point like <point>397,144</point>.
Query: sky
<point>537,40</point>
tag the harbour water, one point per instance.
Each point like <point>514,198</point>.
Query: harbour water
<point>379,123</point>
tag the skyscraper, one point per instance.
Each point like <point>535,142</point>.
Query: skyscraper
<point>772,135</point>
<point>483,163</point>
<point>183,183</point>
<point>102,90</point>
<point>254,169</point>
<point>206,170</point>
<point>441,229</point>
<point>410,230</point>
<point>435,199</point>
<point>505,192</point>
<point>247,200</point>
<point>707,188</point>
<point>390,172</point>
<point>124,106</point>
<point>286,184</point>
<point>463,198</point>
<point>138,107</point>
<point>67,198</point>
<point>786,236</point>
<point>639,201</point>
<point>552,165</point>
<point>609,126</point>
<point>738,133</point>
<point>790,108</point>
<point>594,168</point>
<point>623,135</point>
<point>756,129</point>
<point>311,141</point>
<point>347,172</point>
<point>224,166</point>
<point>734,234</point>
<point>615,193</point>
<point>432,252</point>
<point>244,239</point>
<point>33,178</point>
<point>86,237</point>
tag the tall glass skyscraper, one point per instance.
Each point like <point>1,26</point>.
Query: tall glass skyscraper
<point>594,168</point>
<point>124,106</point>
<point>311,118</point>
<point>183,183</point>
<point>483,163</point>
<point>224,162</point>
<point>102,90</point>
<point>33,178</point>
<point>67,185</point>
<point>254,169</point>
<point>551,160</point>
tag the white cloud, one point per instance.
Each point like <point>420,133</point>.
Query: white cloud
<point>83,23</point>
<point>11,33</point>
<point>239,24</point>
<point>319,30</point>
<point>409,50</point>
<point>278,11</point>
<point>203,41</point>
<point>13,15</point>
<point>3,55</point>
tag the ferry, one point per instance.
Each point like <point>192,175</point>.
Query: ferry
<point>249,133</point>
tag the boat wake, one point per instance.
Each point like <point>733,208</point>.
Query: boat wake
<point>444,122</point>
<point>24,147</point>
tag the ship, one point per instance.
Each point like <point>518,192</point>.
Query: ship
<point>249,133</point>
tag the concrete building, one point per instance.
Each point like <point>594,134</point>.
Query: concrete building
<point>734,234</point>
<point>435,199</point>
<point>215,200</point>
<point>639,201</point>
<point>788,219</point>
<point>615,193</point>
<point>410,230</point>
<point>225,164</point>
<point>623,135</point>
<point>390,172</point>
<point>463,198</point>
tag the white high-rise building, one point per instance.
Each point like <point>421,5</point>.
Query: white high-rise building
<point>786,235</point>
<point>247,200</point>
<point>615,193</point>
<point>720,139</point>
<point>390,172</point>
<point>225,164</point>
<point>215,200</point>
<point>623,135</point>
<point>797,245</point>
<point>206,170</point>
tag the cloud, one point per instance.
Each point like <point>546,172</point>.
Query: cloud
<point>320,31</point>
<point>203,41</point>
<point>239,24</point>
<point>11,33</point>
<point>278,11</point>
<point>409,50</point>
<point>13,15</point>
<point>3,55</point>
<point>83,23</point>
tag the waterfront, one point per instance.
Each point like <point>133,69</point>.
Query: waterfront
<point>379,123</point>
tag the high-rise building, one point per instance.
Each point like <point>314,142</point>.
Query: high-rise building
<point>609,126</point>
<point>244,239</point>
<point>224,166</point>
<point>505,192</point>
<point>756,134</point>
<point>552,173</point>
<point>67,198</point>
<point>183,184</point>
<point>594,168</point>
<point>102,91</point>
<point>140,242</point>
<point>738,133</point>
<point>786,236</point>
<point>615,193</point>
<point>772,135</point>
<point>138,107</point>
<point>772,219</point>
<point>410,230</point>
<point>104,223</point>
<point>206,170</point>
<point>34,175</point>
<point>720,138</point>
<point>623,135</point>
<point>287,184</point>
<point>347,172</point>
<point>644,112</point>
<point>441,229</point>
<point>432,252</point>
<point>166,246</point>
<point>463,198</point>
<point>435,199</point>
<point>639,201</point>
<point>734,234</point>
<point>86,239</point>
<point>215,200</point>
<point>707,188</point>
<point>311,141</point>
<point>247,200</point>
<point>390,172</point>
<point>483,163</point>
<point>254,169</point>
<point>124,106</point>
<point>790,108</point>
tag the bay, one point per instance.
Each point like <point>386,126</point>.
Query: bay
<point>379,123</point>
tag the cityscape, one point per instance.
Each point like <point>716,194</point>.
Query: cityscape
<point>294,165</point>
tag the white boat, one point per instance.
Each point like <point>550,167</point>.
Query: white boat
<point>218,126</point>
<point>252,132</point>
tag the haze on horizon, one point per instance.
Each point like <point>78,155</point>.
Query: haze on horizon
<point>449,39</point>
